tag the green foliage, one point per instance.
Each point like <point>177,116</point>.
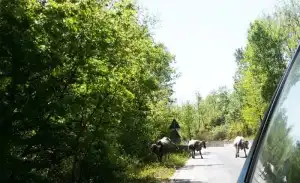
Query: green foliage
<point>84,88</point>
<point>271,42</point>
<point>206,119</point>
<point>80,83</point>
<point>187,120</point>
<point>219,132</point>
<point>161,170</point>
<point>237,129</point>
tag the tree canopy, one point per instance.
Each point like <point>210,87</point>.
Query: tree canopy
<point>83,88</point>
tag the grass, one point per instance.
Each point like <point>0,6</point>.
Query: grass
<point>158,172</point>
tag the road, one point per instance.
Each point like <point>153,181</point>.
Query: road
<point>218,165</point>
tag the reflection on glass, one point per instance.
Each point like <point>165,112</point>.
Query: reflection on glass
<point>279,156</point>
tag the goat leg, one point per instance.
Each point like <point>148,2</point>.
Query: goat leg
<point>159,158</point>
<point>236,151</point>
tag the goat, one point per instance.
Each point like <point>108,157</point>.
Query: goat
<point>163,147</point>
<point>240,143</point>
<point>196,145</point>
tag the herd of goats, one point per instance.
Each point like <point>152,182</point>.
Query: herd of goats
<point>165,146</point>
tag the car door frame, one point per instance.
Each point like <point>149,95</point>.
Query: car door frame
<point>250,163</point>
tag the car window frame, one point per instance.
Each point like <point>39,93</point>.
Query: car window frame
<point>250,163</point>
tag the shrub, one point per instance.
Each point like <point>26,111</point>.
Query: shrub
<point>236,129</point>
<point>219,133</point>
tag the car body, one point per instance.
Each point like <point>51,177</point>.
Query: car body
<point>275,153</point>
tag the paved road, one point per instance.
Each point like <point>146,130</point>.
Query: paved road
<point>218,165</point>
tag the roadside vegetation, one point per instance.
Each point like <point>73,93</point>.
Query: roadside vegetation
<point>158,172</point>
<point>85,89</point>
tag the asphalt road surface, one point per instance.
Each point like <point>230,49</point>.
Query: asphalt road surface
<point>218,165</point>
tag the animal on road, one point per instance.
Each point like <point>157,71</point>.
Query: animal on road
<point>240,144</point>
<point>196,145</point>
<point>163,147</point>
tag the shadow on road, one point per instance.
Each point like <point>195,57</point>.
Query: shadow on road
<point>186,181</point>
<point>244,157</point>
<point>188,167</point>
<point>203,154</point>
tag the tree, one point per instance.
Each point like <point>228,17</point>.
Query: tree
<point>79,83</point>
<point>272,39</point>
<point>187,118</point>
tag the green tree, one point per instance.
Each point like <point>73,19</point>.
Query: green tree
<point>271,41</point>
<point>79,80</point>
<point>188,120</point>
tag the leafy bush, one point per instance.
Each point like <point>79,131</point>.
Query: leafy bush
<point>204,135</point>
<point>219,133</point>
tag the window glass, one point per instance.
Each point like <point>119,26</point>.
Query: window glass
<point>279,156</point>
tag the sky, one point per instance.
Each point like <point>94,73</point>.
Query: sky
<point>203,35</point>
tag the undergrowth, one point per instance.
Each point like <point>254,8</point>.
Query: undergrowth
<point>153,172</point>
